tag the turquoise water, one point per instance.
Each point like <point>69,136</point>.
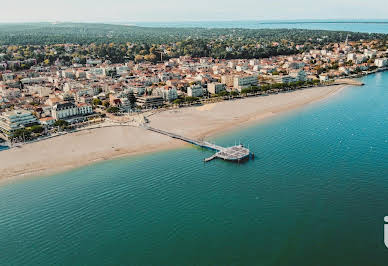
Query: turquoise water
<point>370,26</point>
<point>3,148</point>
<point>316,194</point>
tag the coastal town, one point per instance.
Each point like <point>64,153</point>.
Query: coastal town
<point>43,100</point>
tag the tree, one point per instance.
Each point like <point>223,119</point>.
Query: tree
<point>106,104</point>
<point>223,93</point>
<point>61,123</point>
<point>139,58</point>
<point>21,134</point>
<point>113,110</point>
<point>177,101</point>
<point>37,129</point>
<point>97,102</point>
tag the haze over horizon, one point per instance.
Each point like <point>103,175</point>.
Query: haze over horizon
<point>177,10</point>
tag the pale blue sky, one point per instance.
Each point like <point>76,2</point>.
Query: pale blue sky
<point>184,10</point>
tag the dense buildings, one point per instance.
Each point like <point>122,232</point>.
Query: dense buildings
<point>74,92</point>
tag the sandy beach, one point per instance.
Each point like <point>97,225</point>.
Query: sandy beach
<point>86,147</point>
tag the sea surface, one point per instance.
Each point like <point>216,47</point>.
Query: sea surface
<point>370,26</point>
<point>3,147</point>
<point>316,194</point>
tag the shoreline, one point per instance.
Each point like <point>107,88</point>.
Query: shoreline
<point>78,149</point>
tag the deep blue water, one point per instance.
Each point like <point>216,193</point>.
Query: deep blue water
<point>316,194</point>
<point>3,147</point>
<point>370,26</point>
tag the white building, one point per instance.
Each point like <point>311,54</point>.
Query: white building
<point>323,78</point>
<point>195,91</point>
<point>241,82</point>
<point>16,119</point>
<point>93,61</point>
<point>283,79</point>
<point>381,62</point>
<point>215,88</point>
<point>370,53</point>
<point>170,94</point>
<point>299,75</point>
<point>352,57</point>
<point>122,70</point>
<point>68,109</point>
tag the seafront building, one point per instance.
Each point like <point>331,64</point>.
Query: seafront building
<point>195,91</point>
<point>17,119</point>
<point>150,101</point>
<point>216,88</point>
<point>381,62</point>
<point>66,110</point>
<point>242,82</point>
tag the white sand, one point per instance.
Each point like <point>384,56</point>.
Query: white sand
<point>82,148</point>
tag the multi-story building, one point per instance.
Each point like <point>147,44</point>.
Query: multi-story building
<point>283,79</point>
<point>66,110</point>
<point>241,82</point>
<point>84,109</point>
<point>195,91</point>
<point>299,75</point>
<point>228,80</point>
<point>381,62</point>
<point>16,119</point>
<point>169,94</point>
<point>215,88</point>
<point>352,57</point>
<point>149,101</point>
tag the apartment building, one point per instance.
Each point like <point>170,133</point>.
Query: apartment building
<point>215,88</point>
<point>241,82</point>
<point>16,119</point>
<point>195,91</point>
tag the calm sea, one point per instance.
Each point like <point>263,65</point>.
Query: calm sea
<point>316,194</point>
<point>379,26</point>
<point>3,147</point>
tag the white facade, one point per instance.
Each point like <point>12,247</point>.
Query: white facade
<point>283,79</point>
<point>299,75</point>
<point>195,91</point>
<point>352,57</point>
<point>170,94</point>
<point>241,82</point>
<point>66,110</point>
<point>16,119</point>
<point>381,62</point>
<point>215,88</point>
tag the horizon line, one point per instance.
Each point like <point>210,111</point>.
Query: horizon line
<point>260,21</point>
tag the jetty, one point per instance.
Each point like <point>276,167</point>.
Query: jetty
<point>235,153</point>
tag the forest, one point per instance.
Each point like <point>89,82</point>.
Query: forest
<point>120,43</point>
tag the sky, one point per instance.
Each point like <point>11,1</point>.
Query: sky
<point>185,10</point>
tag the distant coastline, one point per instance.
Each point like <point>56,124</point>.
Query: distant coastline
<point>369,25</point>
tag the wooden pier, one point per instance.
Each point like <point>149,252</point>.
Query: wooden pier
<point>235,153</point>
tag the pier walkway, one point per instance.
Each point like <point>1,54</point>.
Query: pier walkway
<point>234,153</point>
